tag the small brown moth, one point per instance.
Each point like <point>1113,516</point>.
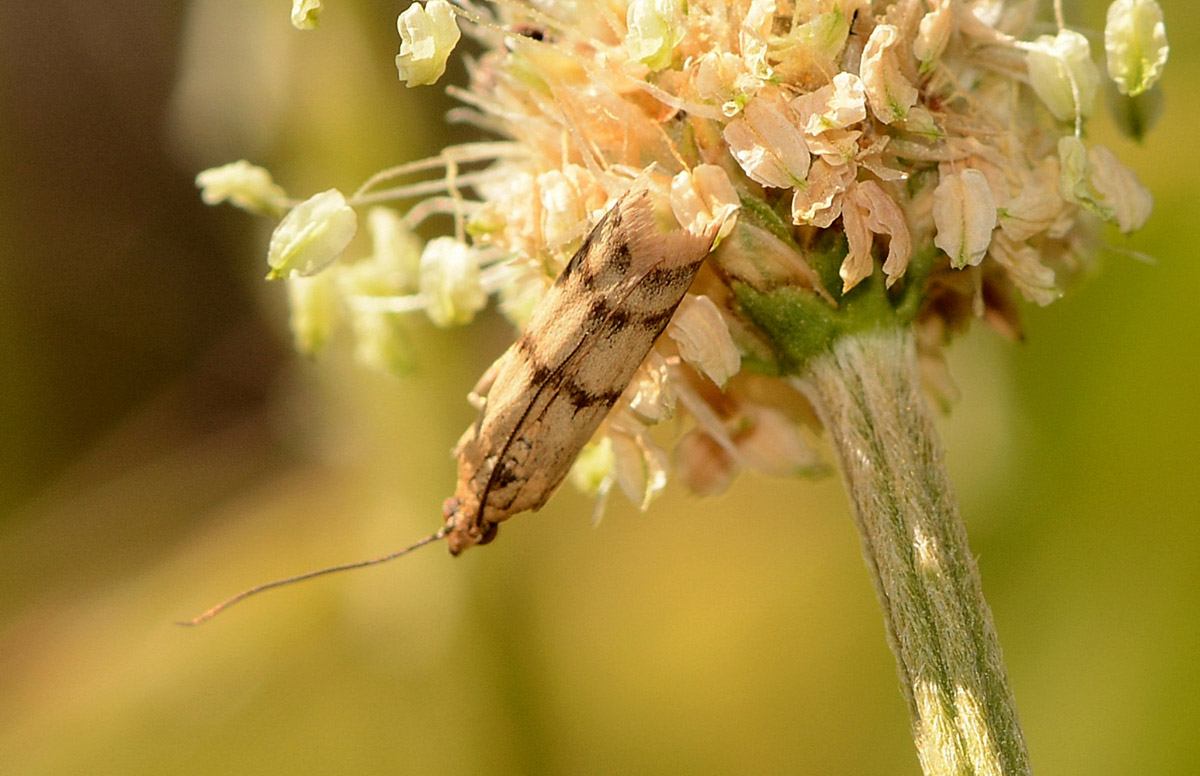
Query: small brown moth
<point>547,394</point>
<point>543,399</point>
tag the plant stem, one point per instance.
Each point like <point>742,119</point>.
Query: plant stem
<point>964,720</point>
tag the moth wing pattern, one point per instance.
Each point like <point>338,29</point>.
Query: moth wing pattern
<point>557,382</point>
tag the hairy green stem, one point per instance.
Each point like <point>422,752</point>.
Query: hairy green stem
<point>866,390</point>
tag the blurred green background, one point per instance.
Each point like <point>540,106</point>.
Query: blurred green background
<point>162,448</point>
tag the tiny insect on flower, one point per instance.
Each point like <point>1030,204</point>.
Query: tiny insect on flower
<point>547,394</point>
<point>888,162</point>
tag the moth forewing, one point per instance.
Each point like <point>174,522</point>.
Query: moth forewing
<point>557,382</point>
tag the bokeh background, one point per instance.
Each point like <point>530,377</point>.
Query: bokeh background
<point>161,447</point>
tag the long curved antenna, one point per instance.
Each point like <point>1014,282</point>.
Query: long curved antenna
<point>213,612</point>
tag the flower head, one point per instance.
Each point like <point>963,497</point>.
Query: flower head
<point>906,163</point>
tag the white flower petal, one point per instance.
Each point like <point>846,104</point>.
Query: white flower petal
<point>450,282</point>
<point>964,213</point>
<point>650,393</point>
<point>396,254</point>
<point>311,236</point>
<point>1119,189</point>
<point>933,34</point>
<point>1060,68</point>
<point>243,185</point>
<point>889,93</point>
<point>657,463</point>
<point>702,335</point>
<point>313,306</point>
<point>305,14</point>
<point>427,36</point>
<point>884,216</point>
<point>1095,179</point>
<point>753,35</point>
<point>1036,206</point>
<point>823,36</point>
<point>868,210</point>
<point>655,28</point>
<point>1135,41</point>
<point>1073,171</point>
<point>858,263</point>
<point>381,342</point>
<point>834,106</point>
<point>703,197</point>
<point>1033,279</point>
<point>561,207</point>
<point>768,145</point>
<point>639,465</point>
<point>819,203</point>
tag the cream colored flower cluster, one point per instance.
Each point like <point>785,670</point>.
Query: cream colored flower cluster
<point>938,134</point>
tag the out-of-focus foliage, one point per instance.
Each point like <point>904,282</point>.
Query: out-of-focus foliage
<point>162,449</point>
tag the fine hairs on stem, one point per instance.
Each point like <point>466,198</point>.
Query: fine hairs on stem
<point>867,393</point>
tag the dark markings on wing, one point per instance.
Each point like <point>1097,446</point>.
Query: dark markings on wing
<point>601,308</point>
<point>660,277</point>
<point>558,377</point>
<point>619,261</point>
<point>581,398</point>
<point>620,256</point>
<point>539,372</point>
<point>502,456</point>
<point>657,319</point>
<point>503,474</point>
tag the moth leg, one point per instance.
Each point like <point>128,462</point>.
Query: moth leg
<point>478,395</point>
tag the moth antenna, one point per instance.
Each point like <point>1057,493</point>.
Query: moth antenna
<point>213,612</point>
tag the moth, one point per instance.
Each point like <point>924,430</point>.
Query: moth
<point>545,397</point>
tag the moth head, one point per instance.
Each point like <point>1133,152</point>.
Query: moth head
<point>464,527</point>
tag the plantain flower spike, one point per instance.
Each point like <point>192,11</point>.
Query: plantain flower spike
<point>921,162</point>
